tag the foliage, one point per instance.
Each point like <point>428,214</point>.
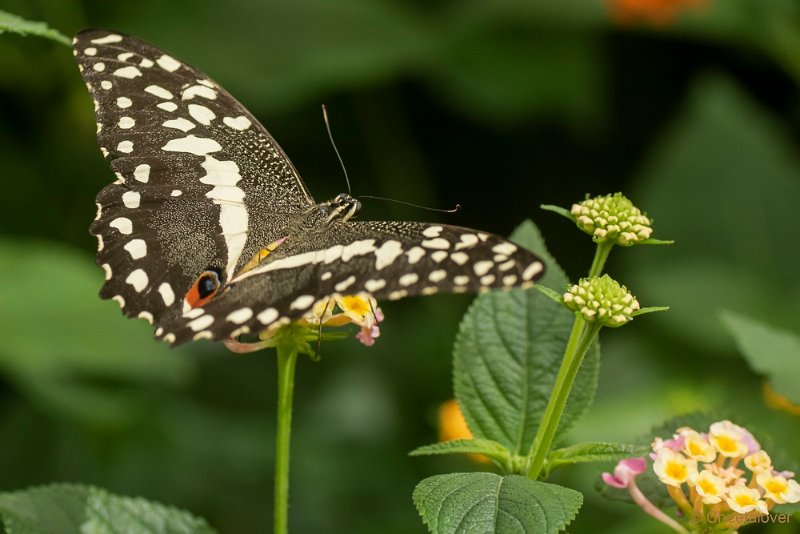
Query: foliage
<point>73,508</point>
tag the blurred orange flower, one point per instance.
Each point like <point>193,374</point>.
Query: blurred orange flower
<point>776,401</point>
<point>656,12</point>
<point>452,425</point>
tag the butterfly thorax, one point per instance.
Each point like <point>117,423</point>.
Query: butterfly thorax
<point>342,208</point>
<point>311,221</point>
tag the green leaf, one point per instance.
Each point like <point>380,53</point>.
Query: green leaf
<point>559,210</point>
<point>769,351</point>
<point>656,242</point>
<point>15,24</point>
<point>486,502</point>
<point>61,343</point>
<point>553,295</point>
<point>507,353</point>
<point>594,451</point>
<point>487,447</point>
<point>111,514</point>
<point>649,309</point>
<point>74,508</point>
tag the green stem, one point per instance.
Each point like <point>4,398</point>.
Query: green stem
<point>600,257</point>
<point>579,342</point>
<point>287,359</point>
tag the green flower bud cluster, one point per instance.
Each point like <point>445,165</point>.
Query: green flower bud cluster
<point>602,300</point>
<point>612,218</point>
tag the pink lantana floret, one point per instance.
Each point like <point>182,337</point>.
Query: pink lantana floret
<point>367,335</point>
<point>625,471</point>
<point>675,444</point>
<point>753,445</point>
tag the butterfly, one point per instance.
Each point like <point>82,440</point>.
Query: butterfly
<point>209,232</point>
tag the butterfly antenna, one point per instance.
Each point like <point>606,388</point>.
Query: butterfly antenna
<point>452,210</point>
<point>333,143</point>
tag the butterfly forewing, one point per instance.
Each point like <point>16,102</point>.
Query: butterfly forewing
<point>186,155</point>
<point>386,259</point>
<point>202,186</point>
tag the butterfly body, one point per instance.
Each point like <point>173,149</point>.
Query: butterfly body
<point>206,199</point>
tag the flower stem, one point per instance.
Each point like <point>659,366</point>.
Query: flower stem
<point>287,359</point>
<point>649,508</point>
<point>579,342</point>
<point>600,257</point>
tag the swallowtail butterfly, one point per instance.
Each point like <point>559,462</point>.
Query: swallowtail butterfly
<point>209,232</point>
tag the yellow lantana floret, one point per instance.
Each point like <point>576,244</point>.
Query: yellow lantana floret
<point>758,462</point>
<point>673,468</point>
<point>709,487</point>
<point>778,488</point>
<point>727,438</point>
<point>360,308</point>
<point>742,499</point>
<point>697,447</point>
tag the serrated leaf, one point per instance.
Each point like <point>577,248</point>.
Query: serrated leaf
<point>594,451</point>
<point>111,514</point>
<point>507,353</point>
<point>486,502</point>
<point>769,351</point>
<point>74,508</point>
<point>486,447</point>
<point>16,24</point>
<point>56,508</point>
<point>477,446</point>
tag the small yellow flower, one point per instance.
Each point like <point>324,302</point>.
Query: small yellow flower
<point>321,312</point>
<point>359,308</point>
<point>727,438</point>
<point>758,462</point>
<point>673,468</point>
<point>742,499</point>
<point>696,446</point>
<point>709,487</point>
<point>778,489</point>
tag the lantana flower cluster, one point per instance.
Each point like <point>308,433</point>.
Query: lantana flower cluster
<point>361,309</point>
<point>613,219</point>
<point>339,310</point>
<point>601,299</point>
<point>719,479</point>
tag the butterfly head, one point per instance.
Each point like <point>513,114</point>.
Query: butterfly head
<point>343,207</point>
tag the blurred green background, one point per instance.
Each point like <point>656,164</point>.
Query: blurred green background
<point>498,106</point>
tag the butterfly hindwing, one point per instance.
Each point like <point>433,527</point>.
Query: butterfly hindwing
<point>388,259</point>
<point>186,154</point>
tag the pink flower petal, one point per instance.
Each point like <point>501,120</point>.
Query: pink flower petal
<point>613,481</point>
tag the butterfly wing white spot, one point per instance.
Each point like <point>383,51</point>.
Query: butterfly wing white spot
<point>137,248</point>
<point>240,316</point>
<point>167,295</point>
<point>138,279</point>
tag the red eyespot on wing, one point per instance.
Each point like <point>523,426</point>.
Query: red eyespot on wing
<point>203,289</point>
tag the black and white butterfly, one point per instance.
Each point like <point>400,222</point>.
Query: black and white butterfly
<point>209,232</point>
